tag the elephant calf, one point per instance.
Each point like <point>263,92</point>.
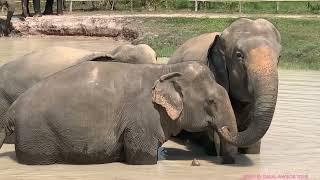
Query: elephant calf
<point>11,5</point>
<point>244,59</point>
<point>99,112</point>
<point>19,75</point>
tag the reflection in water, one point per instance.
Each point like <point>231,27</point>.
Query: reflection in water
<point>291,146</point>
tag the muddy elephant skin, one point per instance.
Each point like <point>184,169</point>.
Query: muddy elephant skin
<point>98,112</point>
<point>244,59</point>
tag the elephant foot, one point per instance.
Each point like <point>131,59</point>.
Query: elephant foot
<point>2,28</point>
<point>228,152</point>
<point>253,149</point>
<point>47,12</point>
<point>37,15</point>
<point>24,14</point>
<point>60,13</point>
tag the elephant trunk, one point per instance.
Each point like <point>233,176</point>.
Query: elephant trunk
<point>262,73</point>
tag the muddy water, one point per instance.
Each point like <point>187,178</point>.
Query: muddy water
<point>290,149</point>
<point>11,48</point>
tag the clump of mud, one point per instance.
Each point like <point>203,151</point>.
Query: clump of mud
<point>100,26</point>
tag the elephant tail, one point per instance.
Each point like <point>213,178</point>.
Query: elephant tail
<point>6,127</point>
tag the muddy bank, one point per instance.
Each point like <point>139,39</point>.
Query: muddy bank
<point>100,26</point>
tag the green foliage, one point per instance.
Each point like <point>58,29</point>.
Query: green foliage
<point>231,6</point>
<point>214,7</point>
<point>182,4</point>
<point>314,7</point>
<point>300,38</point>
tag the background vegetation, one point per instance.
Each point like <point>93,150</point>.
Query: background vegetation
<point>212,7</point>
<point>300,38</point>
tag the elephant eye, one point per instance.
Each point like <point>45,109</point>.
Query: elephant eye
<point>211,101</point>
<point>239,55</point>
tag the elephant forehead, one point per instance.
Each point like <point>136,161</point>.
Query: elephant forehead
<point>262,60</point>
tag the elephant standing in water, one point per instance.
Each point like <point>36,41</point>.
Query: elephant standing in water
<point>11,6</point>
<point>244,59</point>
<point>19,75</point>
<point>98,112</point>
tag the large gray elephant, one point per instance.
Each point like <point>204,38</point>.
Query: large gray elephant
<point>244,59</point>
<point>11,6</point>
<point>19,75</point>
<point>98,112</point>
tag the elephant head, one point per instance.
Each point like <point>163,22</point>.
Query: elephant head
<point>244,59</point>
<point>195,102</point>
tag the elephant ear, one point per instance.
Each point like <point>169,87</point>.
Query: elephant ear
<point>167,93</point>
<point>217,63</point>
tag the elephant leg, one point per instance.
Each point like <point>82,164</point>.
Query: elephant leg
<point>228,152</point>
<point>25,8</point>
<point>5,103</point>
<point>134,140</point>
<point>253,149</point>
<point>2,136</point>
<point>200,138</point>
<point>59,7</point>
<point>64,5</point>
<point>2,29</point>
<point>48,9</point>
<point>207,141</point>
<point>8,23</point>
<point>37,11</point>
<point>36,147</point>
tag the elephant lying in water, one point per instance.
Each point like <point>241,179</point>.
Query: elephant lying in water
<point>19,75</point>
<point>98,112</point>
<point>244,59</point>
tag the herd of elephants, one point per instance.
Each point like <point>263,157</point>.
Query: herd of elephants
<point>67,105</point>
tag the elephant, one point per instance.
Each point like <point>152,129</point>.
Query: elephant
<point>98,112</point>
<point>37,8</point>
<point>19,75</point>
<point>11,6</point>
<point>138,54</point>
<point>49,9</point>
<point>244,60</point>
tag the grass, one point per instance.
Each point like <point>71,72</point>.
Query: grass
<point>300,38</point>
<point>213,7</point>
